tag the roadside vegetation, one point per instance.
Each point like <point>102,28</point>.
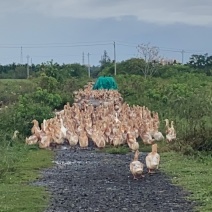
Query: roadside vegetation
<point>193,173</point>
<point>181,93</point>
<point>20,165</point>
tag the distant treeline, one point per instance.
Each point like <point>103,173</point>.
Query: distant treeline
<point>137,66</point>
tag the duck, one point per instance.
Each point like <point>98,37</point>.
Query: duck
<point>72,138</point>
<point>83,139</point>
<point>136,167</point>
<point>101,140</point>
<point>33,139</point>
<point>153,159</point>
<point>146,135</point>
<point>35,129</point>
<point>131,141</point>
<point>62,127</point>
<point>167,126</point>
<point>45,141</point>
<point>171,133</point>
<point>158,136</point>
<point>15,134</point>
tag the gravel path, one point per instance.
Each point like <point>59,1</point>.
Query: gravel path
<point>87,180</point>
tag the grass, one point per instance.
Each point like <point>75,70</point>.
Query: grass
<point>193,173</point>
<point>124,149</point>
<point>14,80</point>
<point>16,193</point>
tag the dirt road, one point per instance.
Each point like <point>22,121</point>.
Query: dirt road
<point>87,180</point>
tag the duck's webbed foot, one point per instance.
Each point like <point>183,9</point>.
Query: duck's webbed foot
<point>134,177</point>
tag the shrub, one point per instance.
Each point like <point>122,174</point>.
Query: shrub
<point>186,102</point>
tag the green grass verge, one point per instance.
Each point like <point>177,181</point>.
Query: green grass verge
<point>192,173</point>
<point>16,194</point>
<point>124,149</point>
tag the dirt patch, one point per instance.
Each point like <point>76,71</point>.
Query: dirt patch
<point>86,180</point>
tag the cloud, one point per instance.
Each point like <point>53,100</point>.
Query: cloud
<point>163,12</point>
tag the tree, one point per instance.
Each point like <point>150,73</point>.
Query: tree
<point>95,71</point>
<point>202,63</point>
<point>131,66</point>
<point>150,54</point>
<point>198,61</point>
<point>77,70</point>
<point>20,72</point>
<point>105,60</point>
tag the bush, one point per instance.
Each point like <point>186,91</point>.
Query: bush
<point>37,105</point>
<point>186,102</point>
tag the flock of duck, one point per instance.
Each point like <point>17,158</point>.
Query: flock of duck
<point>102,117</point>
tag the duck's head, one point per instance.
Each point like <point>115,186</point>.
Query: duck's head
<point>34,121</point>
<point>167,121</point>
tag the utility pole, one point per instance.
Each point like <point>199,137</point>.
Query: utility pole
<point>114,45</point>
<point>182,52</point>
<point>27,66</point>
<point>21,59</point>
<point>31,64</point>
<point>89,71</point>
<point>83,58</point>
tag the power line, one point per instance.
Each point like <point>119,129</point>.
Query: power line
<point>116,53</point>
<point>55,43</point>
<point>96,43</point>
<point>57,46</point>
<point>58,55</point>
<point>161,48</point>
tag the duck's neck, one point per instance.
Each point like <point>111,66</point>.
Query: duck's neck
<point>61,122</point>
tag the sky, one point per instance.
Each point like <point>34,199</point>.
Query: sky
<point>61,30</point>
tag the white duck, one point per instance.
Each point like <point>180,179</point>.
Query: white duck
<point>33,139</point>
<point>158,136</point>
<point>171,133</point>
<point>15,134</point>
<point>63,130</point>
<point>72,137</point>
<point>136,167</point>
<point>153,159</point>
